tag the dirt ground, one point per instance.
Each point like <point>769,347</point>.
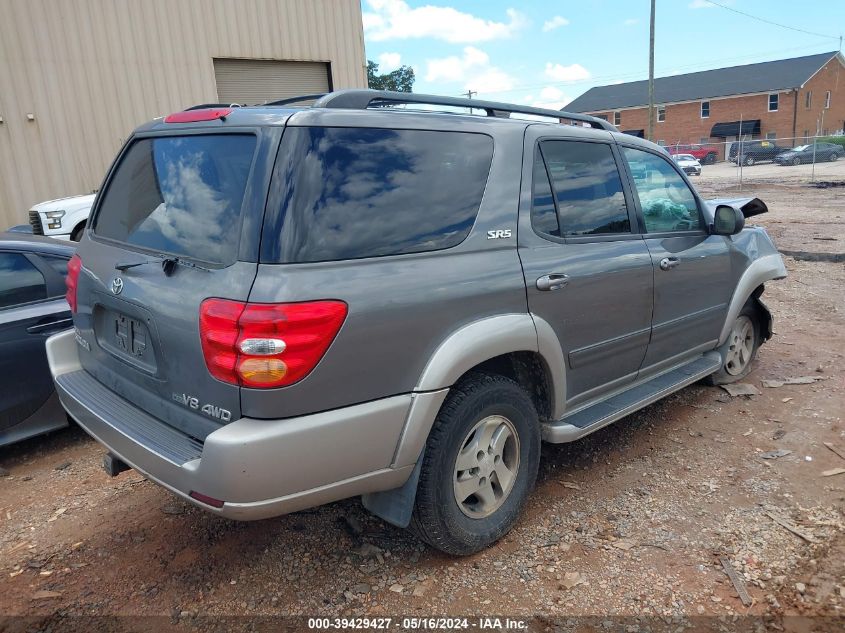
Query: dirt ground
<point>632,521</point>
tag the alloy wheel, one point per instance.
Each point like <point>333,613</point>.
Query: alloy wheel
<point>741,346</point>
<point>486,467</point>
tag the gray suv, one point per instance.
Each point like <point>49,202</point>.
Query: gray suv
<point>277,307</point>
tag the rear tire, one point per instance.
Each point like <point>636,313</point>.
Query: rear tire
<point>833,157</point>
<point>740,350</point>
<point>710,159</point>
<point>487,426</point>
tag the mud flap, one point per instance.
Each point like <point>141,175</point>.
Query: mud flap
<point>767,321</point>
<point>396,506</point>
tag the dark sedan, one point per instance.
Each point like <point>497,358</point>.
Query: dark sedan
<point>32,307</point>
<point>804,154</point>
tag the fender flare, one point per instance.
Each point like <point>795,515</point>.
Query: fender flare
<point>758,272</point>
<point>462,350</point>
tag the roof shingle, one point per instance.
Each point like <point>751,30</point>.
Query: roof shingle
<point>782,74</point>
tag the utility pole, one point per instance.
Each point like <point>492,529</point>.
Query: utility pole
<point>469,93</point>
<point>651,75</point>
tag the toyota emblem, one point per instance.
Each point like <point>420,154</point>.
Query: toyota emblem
<point>117,285</point>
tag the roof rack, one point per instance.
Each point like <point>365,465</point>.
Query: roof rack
<point>363,99</point>
<point>298,99</point>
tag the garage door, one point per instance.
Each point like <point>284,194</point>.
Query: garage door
<point>254,81</point>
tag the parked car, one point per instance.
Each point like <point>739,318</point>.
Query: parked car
<point>688,164</point>
<point>805,154</point>
<point>32,306</point>
<point>392,303</point>
<point>754,152</point>
<point>63,219</point>
<point>20,228</point>
<point>705,154</point>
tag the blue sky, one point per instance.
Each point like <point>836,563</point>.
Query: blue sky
<point>549,52</point>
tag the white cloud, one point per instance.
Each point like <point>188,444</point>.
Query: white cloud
<point>554,23</point>
<point>472,69</point>
<point>388,62</point>
<point>631,21</point>
<point>395,19</point>
<point>552,98</point>
<point>574,72</point>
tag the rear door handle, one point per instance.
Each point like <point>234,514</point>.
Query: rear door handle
<point>50,326</point>
<point>669,262</point>
<point>552,281</point>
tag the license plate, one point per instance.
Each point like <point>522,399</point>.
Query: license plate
<point>130,336</point>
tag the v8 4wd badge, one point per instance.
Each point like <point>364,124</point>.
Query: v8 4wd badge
<point>211,410</point>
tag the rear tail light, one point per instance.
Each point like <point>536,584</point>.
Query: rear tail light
<point>72,280</point>
<point>264,345</point>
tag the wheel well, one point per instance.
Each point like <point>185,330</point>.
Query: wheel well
<point>79,226</point>
<point>529,370</point>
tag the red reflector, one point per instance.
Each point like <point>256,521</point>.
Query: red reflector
<point>209,501</point>
<point>203,114</point>
<point>72,280</point>
<point>301,332</point>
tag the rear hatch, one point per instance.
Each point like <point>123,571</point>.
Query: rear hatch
<point>168,233</point>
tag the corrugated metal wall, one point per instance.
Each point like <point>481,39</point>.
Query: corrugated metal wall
<point>90,71</point>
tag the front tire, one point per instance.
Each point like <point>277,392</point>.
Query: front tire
<point>796,162</point>
<point>740,350</point>
<point>480,464</point>
<point>710,159</point>
<point>749,161</point>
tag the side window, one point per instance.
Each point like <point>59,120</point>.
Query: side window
<point>587,188</point>
<point>348,193</point>
<point>543,213</point>
<point>20,281</point>
<point>667,202</point>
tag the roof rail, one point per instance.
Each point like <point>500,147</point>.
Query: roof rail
<point>298,99</point>
<point>363,99</point>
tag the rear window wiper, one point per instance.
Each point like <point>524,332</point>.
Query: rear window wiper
<point>168,264</point>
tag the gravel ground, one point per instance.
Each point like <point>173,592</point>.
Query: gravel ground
<point>632,521</point>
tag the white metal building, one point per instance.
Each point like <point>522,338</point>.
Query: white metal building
<point>77,76</point>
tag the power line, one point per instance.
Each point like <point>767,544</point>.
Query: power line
<point>759,19</point>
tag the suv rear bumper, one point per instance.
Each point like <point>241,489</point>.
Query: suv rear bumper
<point>258,468</point>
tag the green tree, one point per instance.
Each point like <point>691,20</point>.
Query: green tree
<point>400,80</point>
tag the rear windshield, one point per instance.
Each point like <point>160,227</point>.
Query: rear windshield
<point>347,193</point>
<point>180,195</point>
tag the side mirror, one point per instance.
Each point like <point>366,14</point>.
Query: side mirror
<point>728,220</point>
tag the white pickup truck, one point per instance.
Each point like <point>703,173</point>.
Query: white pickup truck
<point>63,219</point>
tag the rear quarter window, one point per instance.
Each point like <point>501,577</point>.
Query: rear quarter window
<point>180,195</point>
<point>348,193</point>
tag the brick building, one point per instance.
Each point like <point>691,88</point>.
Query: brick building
<point>785,99</point>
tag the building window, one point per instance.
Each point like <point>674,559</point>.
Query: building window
<point>771,136</point>
<point>773,102</point>
<point>806,136</point>
<point>808,99</point>
<point>661,142</point>
<point>827,99</point>
<point>603,117</point>
<point>705,109</point>
<point>617,117</point>
<point>661,114</point>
